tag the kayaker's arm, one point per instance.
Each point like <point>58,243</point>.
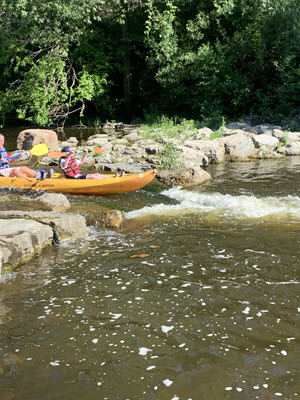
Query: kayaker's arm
<point>84,157</point>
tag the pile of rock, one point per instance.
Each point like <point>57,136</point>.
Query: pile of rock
<point>125,145</point>
<point>26,233</point>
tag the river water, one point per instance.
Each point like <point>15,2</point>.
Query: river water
<point>196,297</point>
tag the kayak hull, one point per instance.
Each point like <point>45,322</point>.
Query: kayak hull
<point>122,184</point>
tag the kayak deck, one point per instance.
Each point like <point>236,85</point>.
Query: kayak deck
<point>122,184</point>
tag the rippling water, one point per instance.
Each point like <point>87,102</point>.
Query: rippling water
<point>197,297</point>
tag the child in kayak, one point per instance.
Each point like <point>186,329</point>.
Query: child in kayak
<point>18,172</point>
<point>69,165</point>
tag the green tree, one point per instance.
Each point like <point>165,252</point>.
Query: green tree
<point>39,80</point>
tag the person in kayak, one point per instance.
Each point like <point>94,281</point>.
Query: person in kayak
<point>18,172</point>
<point>69,164</point>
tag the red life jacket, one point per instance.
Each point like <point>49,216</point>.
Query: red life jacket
<point>72,168</point>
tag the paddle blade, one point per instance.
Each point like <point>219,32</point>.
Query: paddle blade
<point>56,154</point>
<point>39,149</point>
<point>98,150</point>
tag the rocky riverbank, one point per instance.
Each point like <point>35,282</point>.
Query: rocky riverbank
<point>33,222</point>
<point>181,158</point>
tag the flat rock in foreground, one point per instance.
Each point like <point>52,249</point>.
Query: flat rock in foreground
<point>21,239</point>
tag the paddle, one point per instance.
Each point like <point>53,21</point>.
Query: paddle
<point>57,154</point>
<point>37,150</point>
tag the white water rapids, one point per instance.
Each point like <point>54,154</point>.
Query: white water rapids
<point>236,207</point>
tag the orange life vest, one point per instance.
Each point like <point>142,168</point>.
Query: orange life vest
<point>72,168</point>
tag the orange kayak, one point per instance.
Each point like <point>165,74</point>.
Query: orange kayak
<point>122,184</point>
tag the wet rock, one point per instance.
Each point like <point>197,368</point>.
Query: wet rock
<point>190,174</point>
<point>64,225</point>
<point>112,219</point>
<point>57,201</point>
<point>21,239</point>
<point>13,201</point>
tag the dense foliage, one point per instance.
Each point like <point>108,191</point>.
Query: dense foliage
<point>94,60</point>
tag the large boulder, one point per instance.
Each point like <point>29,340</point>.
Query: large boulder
<point>213,149</point>
<point>191,154</point>
<point>64,225</point>
<point>20,239</point>
<point>266,141</point>
<point>291,149</point>
<point>293,137</point>
<point>30,137</point>
<point>238,146</point>
<point>190,174</point>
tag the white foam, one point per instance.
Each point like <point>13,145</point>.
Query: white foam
<point>166,329</point>
<point>223,204</point>
<point>143,351</point>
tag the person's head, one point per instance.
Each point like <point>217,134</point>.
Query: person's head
<point>66,149</point>
<point>1,140</point>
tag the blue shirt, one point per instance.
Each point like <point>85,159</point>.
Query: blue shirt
<point>3,154</point>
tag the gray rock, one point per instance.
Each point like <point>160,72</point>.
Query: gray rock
<point>266,129</point>
<point>238,146</point>
<point>73,141</point>
<point>293,137</point>
<point>203,133</point>
<point>213,149</point>
<point>133,136</point>
<point>278,133</point>
<point>129,167</point>
<point>190,174</point>
<point>188,154</point>
<point>31,137</point>
<point>65,226</point>
<point>292,149</point>
<point>20,239</point>
<point>237,125</point>
<point>57,201</point>
<point>98,141</point>
<point>269,142</point>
